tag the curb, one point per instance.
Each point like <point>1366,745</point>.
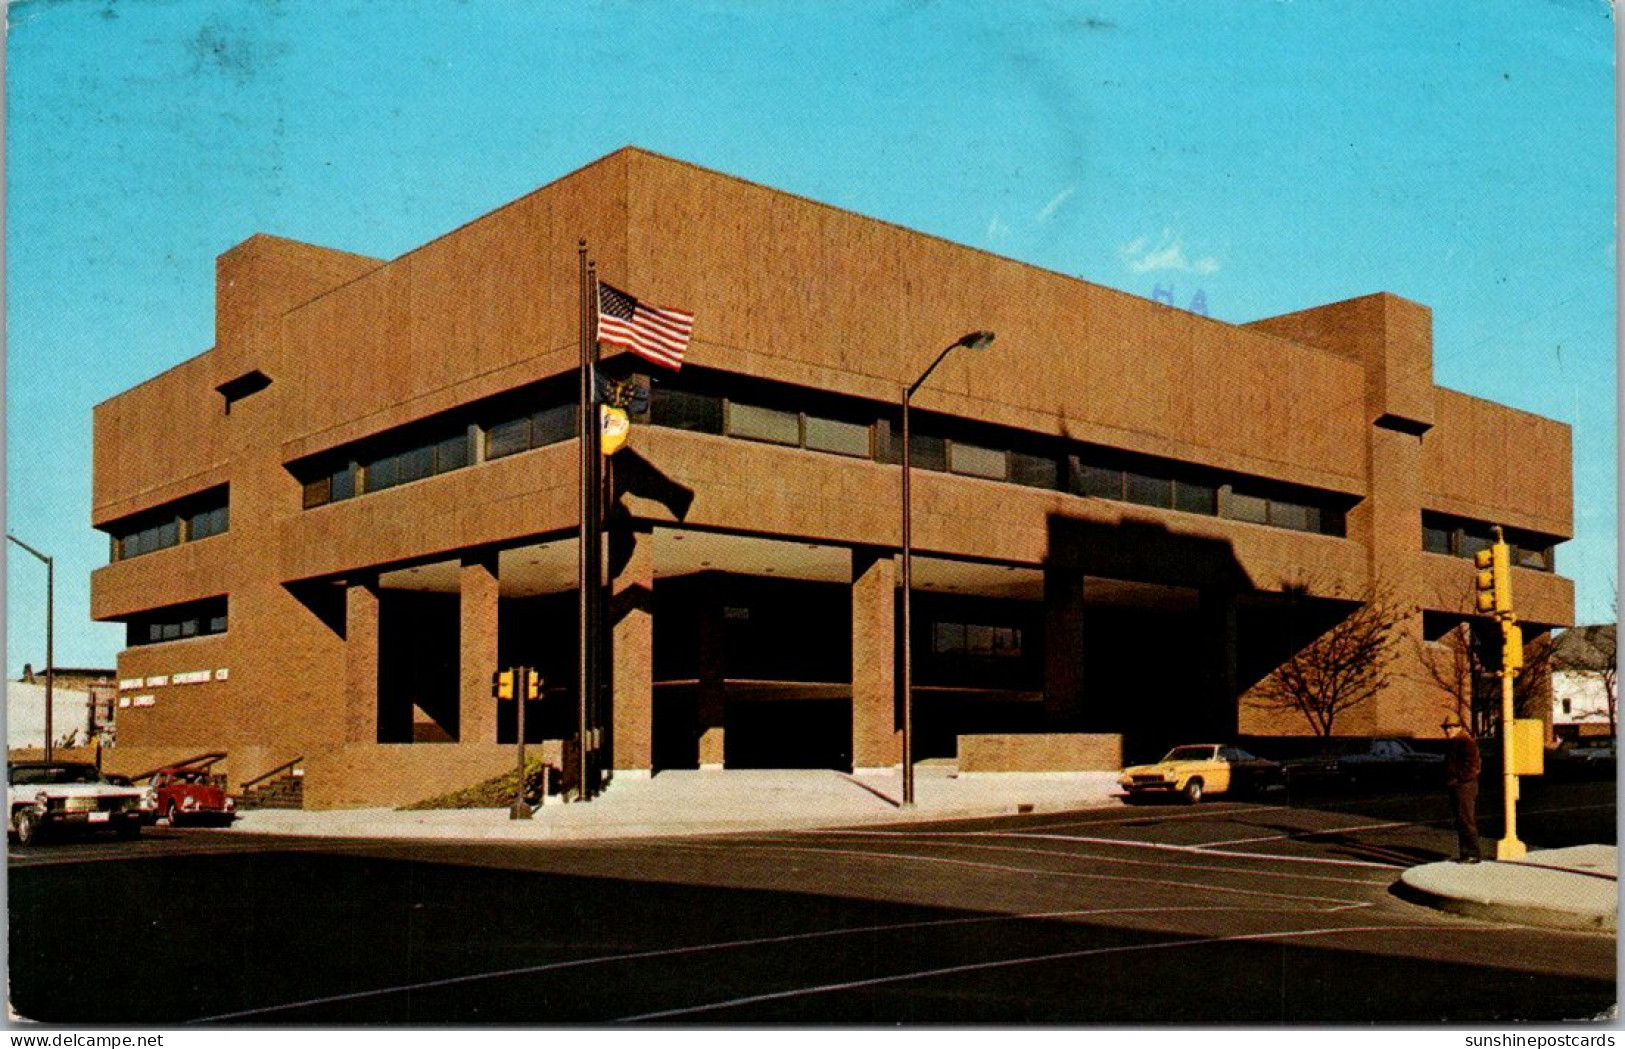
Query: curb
<point>1511,912</point>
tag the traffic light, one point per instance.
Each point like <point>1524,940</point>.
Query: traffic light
<point>504,684</point>
<point>1511,648</point>
<point>533,685</point>
<point>1494,579</point>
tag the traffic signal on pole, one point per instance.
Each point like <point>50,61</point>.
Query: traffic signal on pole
<point>504,684</point>
<point>533,685</point>
<point>1511,648</point>
<point>1494,579</point>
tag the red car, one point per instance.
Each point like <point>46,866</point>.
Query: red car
<point>193,795</point>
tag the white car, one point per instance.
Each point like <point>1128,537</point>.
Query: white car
<point>49,796</point>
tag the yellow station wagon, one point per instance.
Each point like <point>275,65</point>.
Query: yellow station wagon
<point>1197,770</point>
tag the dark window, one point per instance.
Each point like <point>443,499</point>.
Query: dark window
<point>507,438</point>
<point>417,463</point>
<point>927,453</point>
<point>197,619</point>
<point>1536,557</point>
<point>838,436</point>
<point>1194,498</point>
<point>1294,515</point>
<point>1149,491</point>
<point>383,473</point>
<point>344,482</point>
<point>947,638</point>
<point>452,453</point>
<point>1251,508</point>
<point>552,425</point>
<point>1437,538</point>
<point>208,522</point>
<point>1089,479</point>
<point>1472,541</point>
<point>1036,471</point>
<point>978,462</point>
<point>763,424</point>
<point>682,410</point>
<point>976,640</point>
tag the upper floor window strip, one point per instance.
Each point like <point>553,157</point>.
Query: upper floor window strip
<point>182,521</point>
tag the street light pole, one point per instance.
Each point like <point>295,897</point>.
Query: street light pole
<point>50,653</point>
<point>976,340</point>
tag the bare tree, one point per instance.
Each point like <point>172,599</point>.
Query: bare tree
<point>1471,693</point>
<point>1336,665</point>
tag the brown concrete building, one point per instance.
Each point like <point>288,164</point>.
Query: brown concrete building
<point>332,527</point>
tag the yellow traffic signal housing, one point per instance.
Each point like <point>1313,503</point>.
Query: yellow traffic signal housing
<point>504,684</point>
<point>1511,648</point>
<point>533,685</point>
<point>1494,579</point>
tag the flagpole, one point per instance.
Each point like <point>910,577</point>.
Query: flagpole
<point>585,676</point>
<point>595,534</point>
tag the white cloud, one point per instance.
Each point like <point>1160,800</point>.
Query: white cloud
<point>996,229</point>
<point>1055,203</point>
<point>1140,256</point>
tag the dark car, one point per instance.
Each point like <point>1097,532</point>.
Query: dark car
<point>60,796</point>
<point>1373,763</point>
<point>193,795</point>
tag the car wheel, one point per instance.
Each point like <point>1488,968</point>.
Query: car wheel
<point>28,828</point>
<point>1193,790</point>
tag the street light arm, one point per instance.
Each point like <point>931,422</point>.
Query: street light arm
<point>976,340</point>
<point>44,557</point>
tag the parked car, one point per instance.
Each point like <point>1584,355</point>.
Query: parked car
<point>192,795</point>
<point>1582,759</point>
<point>52,796</point>
<point>1368,763</point>
<point>1197,770</point>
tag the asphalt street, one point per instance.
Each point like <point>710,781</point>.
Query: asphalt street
<point>1228,912</point>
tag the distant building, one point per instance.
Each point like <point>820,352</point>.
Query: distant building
<point>328,530</point>
<point>1584,675</point>
<point>82,708</point>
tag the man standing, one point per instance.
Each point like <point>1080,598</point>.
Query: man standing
<point>1461,766</point>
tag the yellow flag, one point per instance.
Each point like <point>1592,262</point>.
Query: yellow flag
<point>614,426</point>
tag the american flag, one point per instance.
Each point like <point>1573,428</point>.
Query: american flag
<point>656,333</point>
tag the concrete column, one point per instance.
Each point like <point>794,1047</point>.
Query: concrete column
<point>631,613</point>
<point>477,649</point>
<point>1063,648</point>
<point>709,710</point>
<point>877,741</point>
<point>361,662</point>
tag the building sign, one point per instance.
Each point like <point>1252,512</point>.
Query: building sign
<point>193,677</point>
<point>144,701</point>
<point>221,674</point>
<point>130,683</point>
<point>157,682</point>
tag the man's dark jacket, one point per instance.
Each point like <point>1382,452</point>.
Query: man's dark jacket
<point>1461,762</point>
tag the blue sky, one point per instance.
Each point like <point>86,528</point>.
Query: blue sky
<point>1266,155</point>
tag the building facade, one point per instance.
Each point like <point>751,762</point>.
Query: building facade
<point>328,530</point>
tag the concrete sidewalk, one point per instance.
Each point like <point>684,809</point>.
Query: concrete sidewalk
<point>679,803</point>
<point>1574,888</point>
